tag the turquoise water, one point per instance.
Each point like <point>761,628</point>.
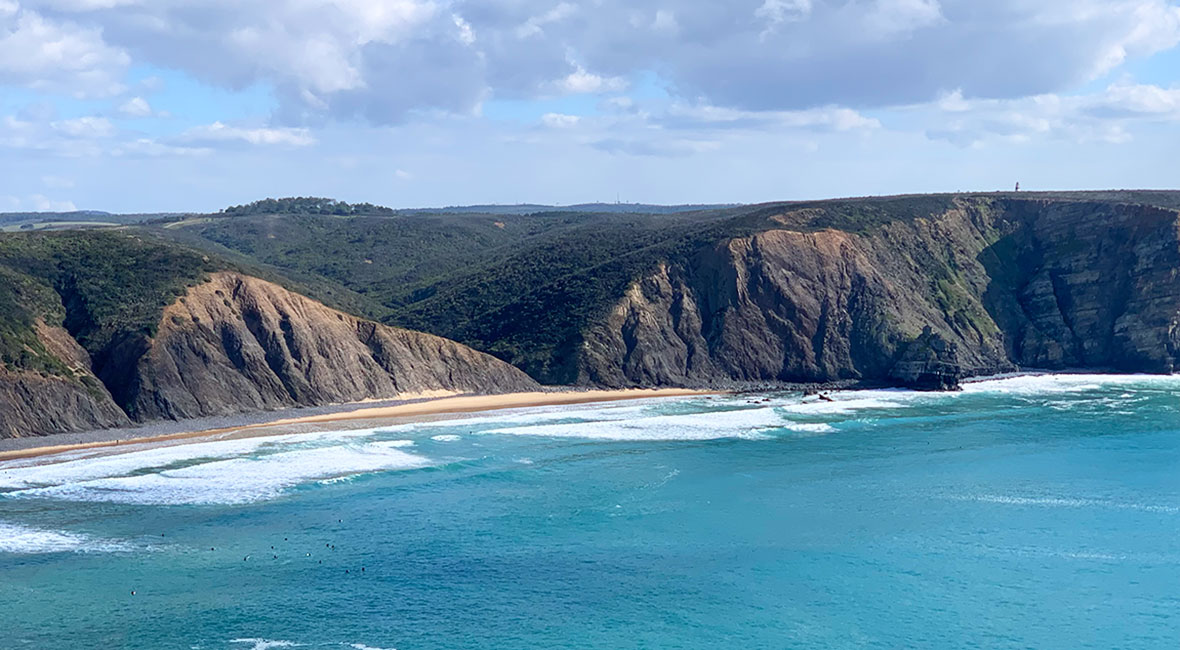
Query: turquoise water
<point>1023,513</point>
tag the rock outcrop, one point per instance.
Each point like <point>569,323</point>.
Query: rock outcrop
<point>928,362</point>
<point>239,344</point>
<point>985,287</point>
<point>34,404</point>
<point>907,291</point>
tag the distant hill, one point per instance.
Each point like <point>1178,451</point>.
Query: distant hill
<point>307,205</point>
<point>101,329</point>
<point>800,291</point>
<point>10,221</point>
<point>156,318</point>
<point>602,208</point>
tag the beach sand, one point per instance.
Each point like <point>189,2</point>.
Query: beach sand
<point>397,412</point>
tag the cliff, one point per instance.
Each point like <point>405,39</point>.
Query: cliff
<point>32,403</point>
<point>986,286</point>
<point>916,291</point>
<point>237,344</point>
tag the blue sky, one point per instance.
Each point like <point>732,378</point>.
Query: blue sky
<point>185,105</point>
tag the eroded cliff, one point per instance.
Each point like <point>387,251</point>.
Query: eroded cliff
<point>36,403</point>
<point>237,344</point>
<point>986,286</point>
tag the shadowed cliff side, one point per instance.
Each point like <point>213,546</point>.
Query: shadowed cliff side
<point>1088,285</point>
<point>33,403</point>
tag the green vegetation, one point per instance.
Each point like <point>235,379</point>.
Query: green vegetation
<point>102,286</point>
<point>523,286</point>
<point>307,205</point>
<point>23,300</point>
<point>519,286</point>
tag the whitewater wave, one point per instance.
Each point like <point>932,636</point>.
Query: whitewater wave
<point>232,481</point>
<point>396,444</point>
<point>1065,502</point>
<point>852,401</point>
<point>596,412</point>
<point>81,469</point>
<point>265,644</point>
<point>1066,383</point>
<point>23,540</point>
<point>72,466</point>
<point>747,423</point>
<point>812,428</point>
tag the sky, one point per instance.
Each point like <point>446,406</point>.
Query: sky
<point>195,105</point>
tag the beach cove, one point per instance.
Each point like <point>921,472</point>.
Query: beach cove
<point>995,516</point>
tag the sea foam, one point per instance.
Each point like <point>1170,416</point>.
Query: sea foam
<point>741,423</point>
<point>1066,383</point>
<point>18,539</point>
<point>235,480</point>
<point>82,469</point>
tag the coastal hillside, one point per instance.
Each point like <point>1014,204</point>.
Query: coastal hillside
<point>911,290</point>
<point>104,329</point>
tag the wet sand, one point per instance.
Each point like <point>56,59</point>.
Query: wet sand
<point>347,415</point>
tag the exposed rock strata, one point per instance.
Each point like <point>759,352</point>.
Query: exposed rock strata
<point>32,404</point>
<point>238,344</point>
<point>994,285</point>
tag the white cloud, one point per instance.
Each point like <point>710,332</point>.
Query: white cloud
<point>1137,100</point>
<point>535,25</point>
<point>665,21</point>
<point>57,56</point>
<point>890,16</point>
<point>781,11</point>
<point>580,82</point>
<point>42,203</point>
<point>656,147</point>
<point>88,5</point>
<point>833,118</point>
<point>85,127</point>
<point>1108,116</point>
<point>149,148</point>
<point>384,61</point>
<point>224,133</point>
<point>136,107</point>
<point>35,203</point>
<point>466,33</point>
<point>559,120</point>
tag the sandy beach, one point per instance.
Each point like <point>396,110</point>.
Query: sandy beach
<point>342,415</point>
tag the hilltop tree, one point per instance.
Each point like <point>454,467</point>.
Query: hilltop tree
<point>307,205</point>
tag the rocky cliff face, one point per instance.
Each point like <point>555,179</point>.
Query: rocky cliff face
<point>985,287</point>
<point>238,344</point>
<point>36,404</point>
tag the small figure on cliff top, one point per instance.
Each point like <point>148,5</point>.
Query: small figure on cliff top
<point>1018,187</point>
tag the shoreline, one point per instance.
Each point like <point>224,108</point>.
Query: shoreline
<point>410,409</point>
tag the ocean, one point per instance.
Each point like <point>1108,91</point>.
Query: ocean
<point>1029,512</point>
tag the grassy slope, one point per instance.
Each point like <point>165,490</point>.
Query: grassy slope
<point>99,285</point>
<point>523,287</point>
<point>520,287</point>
